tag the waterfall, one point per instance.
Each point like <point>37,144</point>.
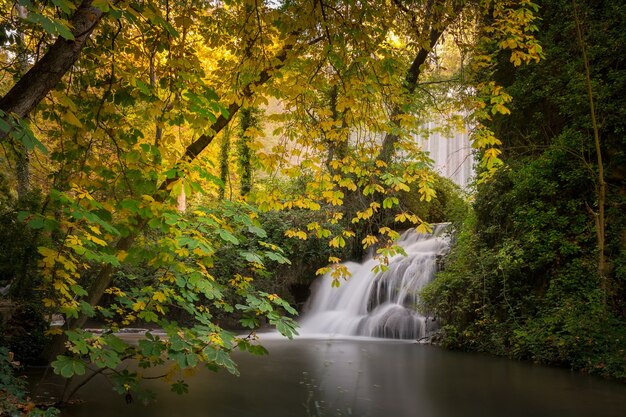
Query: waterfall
<point>451,152</point>
<point>379,304</point>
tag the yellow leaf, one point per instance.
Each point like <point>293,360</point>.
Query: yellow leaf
<point>400,218</point>
<point>97,241</point>
<point>313,226</point>
<point>182,252</point>
<point>296,233</point>
<point>322,271</point>
<point>424,228</point>
<point>74,241</point>
<point>48,302</point>
<point>49,256</point>
<point>337,242</point>
<point>71,118</point>
<point>159,296</point>
<point>369,241</point>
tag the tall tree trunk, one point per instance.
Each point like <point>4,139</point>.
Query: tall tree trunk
<point>22,163</point>
<point>248,119</point>
<point>599,216</point>
<point>158,133</point>
<point>22,171</point>
<point>224,166</point>
<point>337,148</point>
<point>436,21</point>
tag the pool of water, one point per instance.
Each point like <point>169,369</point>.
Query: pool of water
<point>360,377</point>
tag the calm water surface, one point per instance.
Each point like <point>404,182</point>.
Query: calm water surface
<point>377,378</point>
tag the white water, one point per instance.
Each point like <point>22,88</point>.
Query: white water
<point>451,153</point>
<point>378,304</point>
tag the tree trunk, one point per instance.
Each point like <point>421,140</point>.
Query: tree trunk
<point>22,163</point>
<point>410,83</point>
<point>247,120</point>
<point>224,166</point>
<point>599,217</point>
<point>48,71</point>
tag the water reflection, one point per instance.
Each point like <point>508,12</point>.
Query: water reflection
<point>373,378</point>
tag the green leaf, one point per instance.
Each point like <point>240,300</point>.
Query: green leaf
<point>148,316</point>
<point>24,135</point>
<point>78,290</point>
<point>257,350</point>
<point>87,309</point>
<point>4,126</point>
<point>36,223</point>
<point>180,387</point>
<point>228,237</point>
<point>151,347</point>
<point>143,87</point>
<point>115,343</point>
<point>23,215</point>
<point>257,231</point>
<point>101,4</point>
<point>68,367</point>
<point>78,339</point>
<point>221,358</point>
<point>50,224</point>
<point>286,327</point>
<point>249,322</point>
<point>184,360</point>
<point>105,358</point>
<point>52,25</point>
<point>65,5</point>
<point>277,257</point>
<point>251,257</point>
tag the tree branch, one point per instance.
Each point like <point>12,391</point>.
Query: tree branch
<point>437,27</point>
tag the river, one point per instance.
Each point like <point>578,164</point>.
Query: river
<point>368,377</point>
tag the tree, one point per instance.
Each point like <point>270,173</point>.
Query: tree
<point>224,164</point>
<point>126,99</point>
<point>600,182</point>
<point>90,211</point>
<point>248,125</point>
<point>374,88</point>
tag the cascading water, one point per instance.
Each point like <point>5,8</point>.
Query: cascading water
<point>451,152</point>
<point>379,304</point>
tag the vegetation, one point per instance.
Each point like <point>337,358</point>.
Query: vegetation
<point>149,183</point>
<point>538,269</point>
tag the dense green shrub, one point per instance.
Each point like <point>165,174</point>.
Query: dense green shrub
<point>522,279</point>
